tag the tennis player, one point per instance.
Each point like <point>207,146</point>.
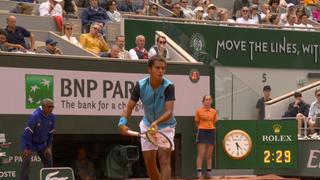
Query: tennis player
<point>157,95</point>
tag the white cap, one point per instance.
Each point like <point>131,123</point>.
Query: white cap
<point>290,5</point>
<point>211,5</point>
<point>199,8</point>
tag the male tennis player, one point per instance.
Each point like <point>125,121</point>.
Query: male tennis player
<point>157,95</point>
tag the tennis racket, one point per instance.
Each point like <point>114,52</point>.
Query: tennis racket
<point>157,138</point>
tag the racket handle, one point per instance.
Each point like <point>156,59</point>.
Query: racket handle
<point>133,133</point>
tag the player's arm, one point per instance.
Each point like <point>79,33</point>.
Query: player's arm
<point>126,114</point>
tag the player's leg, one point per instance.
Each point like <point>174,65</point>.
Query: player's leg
<point>201,153</point>
<point>150,160</point>
<point>45,158</point>
<point>165,163</point>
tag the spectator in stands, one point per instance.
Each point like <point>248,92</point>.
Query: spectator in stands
<point>139,52</point>
<point>224,15</point>
<point>93,41</point>
<point>291,20</point>
<point>176,9</point>
<point>254,14</point>
<point>120,41</point>
<point>274,6</point>
<point>310,2</point>
<point>290,10</point>
<point>50,8</point>
<point>114,52</point>
<point>316,13</point>
<point>196,3</point>
<point>167,4</point>
<point>313,117</point>
<point>160,48</point>
<point>83,3</point>
<point>256,2</point>
<point>16,34</point>
<point>112,11</point>
<point>245,16</point>
<point>298,109</point>
<point>128,6</point>
<point>67,29</point>
<point>261,102</point>
<point>5,46</point>
<point>92,14</point>
<point>211,13</point>
<point>153,10</point>
<point>265,11</point>
<point>294,2</point>
<point>303,9</point>
<point>274,19</point>
<point>187,11</point>
<point>51,48</point>
<point>304,23</point>
<point>238,5</point>
<point>70,9</point>
<point>198,11</point>
<point>83,167</point>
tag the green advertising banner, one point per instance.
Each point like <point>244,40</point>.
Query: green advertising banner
<point>248,144</point>
<point>56,173</point>
<point>234,46</point>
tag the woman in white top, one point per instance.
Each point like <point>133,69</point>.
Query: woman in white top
<point>67,29</point>
<point>112,12</point>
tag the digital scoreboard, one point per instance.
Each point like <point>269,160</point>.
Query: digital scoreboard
<point>261,144</point>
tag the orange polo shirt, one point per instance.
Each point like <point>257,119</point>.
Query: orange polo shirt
<point>206,118</point>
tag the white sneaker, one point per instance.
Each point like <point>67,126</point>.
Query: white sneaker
<point>314,136</point>
<point>300,136</point>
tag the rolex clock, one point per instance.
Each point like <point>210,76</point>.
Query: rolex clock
<point>237,144</point>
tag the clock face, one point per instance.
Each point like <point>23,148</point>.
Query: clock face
<point>237,144</point>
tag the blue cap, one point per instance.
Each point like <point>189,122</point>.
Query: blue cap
<point>51,41</point>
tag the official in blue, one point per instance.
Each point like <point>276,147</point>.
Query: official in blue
<point>38,137</point>
<point>157,95</point>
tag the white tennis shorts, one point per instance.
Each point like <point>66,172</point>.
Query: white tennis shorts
<point>148,146</point>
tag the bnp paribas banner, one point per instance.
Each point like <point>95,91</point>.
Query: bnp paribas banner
<point>87,93</point>
<point>235,46</point>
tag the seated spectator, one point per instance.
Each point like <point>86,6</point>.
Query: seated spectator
<point>176,9</point>
<point>304,9</point>
<point>313,117</point>
<point>254,14</point>
<point>316,13</point>
<point>265,11</point>
<point>238,5</point>
<point>298,109</point>
<point>112,11</point>
<point>291,21</point>
<point>310,2</point>
<point>274,19</point>
<point>50,8</point>
<point>120,41</point>
<point>93,41</point>
<point>70,9</point>
<point>167,4</point>
<point>160,48</point>
<point>139,52</point>
<point>290,10</point>
<point>304,23</point>
<point>5,46</point>
<point>128,6</point>
<point>83,167</point>
<point>198,11</point>
<point>114,52</point>
<point>67,29</point>
<point>22,8</point>
<point>224,16</point>
<point>153,10</point>
<point>211,13</point>
<point>51,48</point>
<point>274,6</point>
<point>92,14</point>
<point>16,34</point>
<point>245,16</point>
<point>187,11</point>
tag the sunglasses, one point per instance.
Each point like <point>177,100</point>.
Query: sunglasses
<point>162,42</point>
<point>69,28</point>
<point>176,7</point>
<point>318,95</point>
<point>184,2</point>
<point>245,10</point>
<point>154,8</point>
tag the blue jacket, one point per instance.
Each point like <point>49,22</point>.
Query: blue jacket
<point>90,15</point>
<point>38,134</point>
<point>154,100</point>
